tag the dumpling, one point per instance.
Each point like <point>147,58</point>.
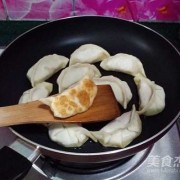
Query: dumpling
<point>69,135</point>
<point>74,73</point>
<point>120,88</point>
<point>88,53</point>
<point>151,95</point>
<point>45,68</point>
<point>124,63</point>
<point>121,131</point>
<point>42,90</point>
<point>74,100</point>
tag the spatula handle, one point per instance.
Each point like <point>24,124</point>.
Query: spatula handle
<point>27,113</point>
<point>104,107</point>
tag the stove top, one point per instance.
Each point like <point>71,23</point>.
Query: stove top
<point>1,50</point>
<point>162,160</point>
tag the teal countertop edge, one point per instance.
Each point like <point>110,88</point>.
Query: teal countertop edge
<point>9,30</point>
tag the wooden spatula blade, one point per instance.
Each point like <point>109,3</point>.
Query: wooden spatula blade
<point>105,107</point>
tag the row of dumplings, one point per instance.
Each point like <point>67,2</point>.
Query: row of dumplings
<point>119,132</point>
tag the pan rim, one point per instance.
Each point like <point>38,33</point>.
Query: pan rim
<point>100,153</point>
<point>159,134</point>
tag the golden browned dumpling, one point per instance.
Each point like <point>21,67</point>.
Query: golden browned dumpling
<point>74,100</point>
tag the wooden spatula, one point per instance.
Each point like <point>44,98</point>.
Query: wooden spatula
<point>105,107</point>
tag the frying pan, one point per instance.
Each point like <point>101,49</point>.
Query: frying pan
<point>160,59</point>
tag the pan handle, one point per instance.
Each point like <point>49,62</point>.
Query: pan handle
<point>17,159</point>
<point>13,165</point>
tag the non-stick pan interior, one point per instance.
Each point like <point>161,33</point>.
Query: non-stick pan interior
<point>160,60</point>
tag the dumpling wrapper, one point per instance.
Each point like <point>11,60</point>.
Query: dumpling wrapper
<point>69,135</point>
<point>45,68</point>
<point>76,99</point>
<point>75,73</point>
<point>121,131</point>
<point>120,88</point>
<point>151,95</point>
<point>124,63</point>
<point>88,53</point>
<point>42,90</point>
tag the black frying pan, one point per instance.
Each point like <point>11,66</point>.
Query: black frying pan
<point>160,59</point>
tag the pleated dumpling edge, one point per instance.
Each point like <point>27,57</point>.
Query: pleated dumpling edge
<point>88,53</point>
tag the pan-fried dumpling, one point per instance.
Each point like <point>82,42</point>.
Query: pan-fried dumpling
<point>45,68</point>
<point>121,131</point>
<point>88,53</point>
<point>41,90</point>
<point>69,135</point>
<point>74,100</point>
<point>74,73</point>
<point>120,88</point>
<point>151,95</point>
<point>124,63</point>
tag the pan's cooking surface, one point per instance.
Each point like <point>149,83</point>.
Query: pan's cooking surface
<point>161,63</point>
